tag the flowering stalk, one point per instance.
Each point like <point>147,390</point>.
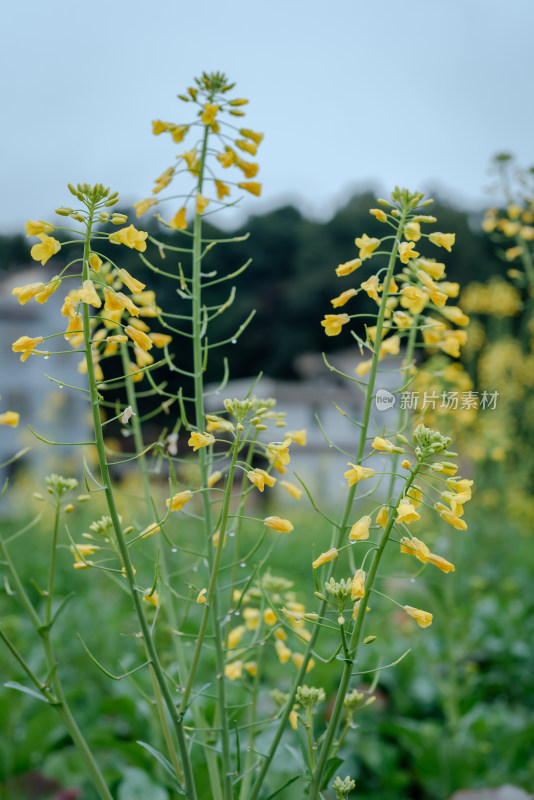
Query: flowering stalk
<point>117,527</point>
<point>338,538</point>
<point>418,290</point>
<point>350,653</point>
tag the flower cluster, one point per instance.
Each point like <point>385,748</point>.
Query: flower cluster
<point>215,118</point>
<point>417,288</point>
<point>270,611</point>
<point>121,317</point>
<point>423,457</point>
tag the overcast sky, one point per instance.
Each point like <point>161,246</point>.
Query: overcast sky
<point>349,93</point>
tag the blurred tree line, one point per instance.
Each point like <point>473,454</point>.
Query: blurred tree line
<point>290,281</point>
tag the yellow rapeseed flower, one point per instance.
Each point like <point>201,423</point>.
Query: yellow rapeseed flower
<point>139,338</point>
<point>10,418</point>
<point>278,524</point>
<point>343,298</point>
<point>382,516</point>
<point>235,636</point>
<point>282,651</point>
<point>434,268</point>
<point>130,237</point>
<point>259,477</point>
<point>177,501</point>
<point>178,132</point>
<point>329,555</point>
<point>451,518</point>
<point>35,227</point>
<point>383,445</point>
<point>298,660</point>
<point>248,169</point>
<point>234,670</point>
<point>160,127</point>
<point>252,618</point>
<point>445,240</point>
<point>132,283</point>
<point>415,547</point>
<point>201,203</point>
<point>227,158</point>
<point>201,597</point>
<point>269,617</point>
<point>407,251</point>
<point>179,221</point>
<point>299,437</point>
<point>143,205</point>
<point>48,247</point>
<point>160,339</point>
<point>293,490</point>
<point>360,529</point>
<point>379,214</point>
<point>248,147</point>
<point>163,180</point>
<point>332,323</point>
<point>198,440</point>
<point>209,114</point>
<point>357,473</point>
<point>222,189</point>
<point>412,231</point>
<point>423,618</point>
<point>248,134</point>
<point>26,345</point>
<point>406,512</point>
<point>366,245</point>
<point>88,294</point>
<point>441,563</point>
<point>371,287</point>
<point>27,292</point>
<point>357,589</point>
<point>348,267</point>
<point>251,186</point>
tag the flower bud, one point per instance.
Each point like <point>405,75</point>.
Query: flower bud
<point>63,211</point>
<point>118,219</point>
<point>369,639</point>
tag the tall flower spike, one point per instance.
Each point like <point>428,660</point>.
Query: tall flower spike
<point>210,96</point>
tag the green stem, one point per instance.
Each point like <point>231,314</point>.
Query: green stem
<point>212,599</point>
<point>309,737</point>
<point>121,541</point>
<point>348,508</point>
<point>250,756</point>
<point>52,564</point>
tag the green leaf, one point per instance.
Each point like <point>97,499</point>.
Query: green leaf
<point>20,688</point>
<point>137,785</point>
<point>291,780</point>
<point>165,763</point>
<point>332,765</point>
